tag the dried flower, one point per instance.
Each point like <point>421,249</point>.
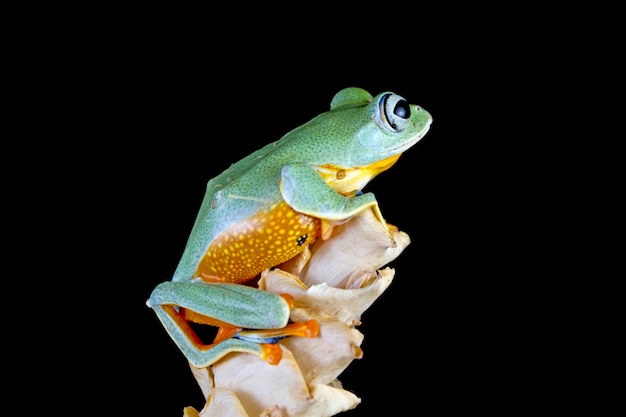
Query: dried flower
<point>334,283</point>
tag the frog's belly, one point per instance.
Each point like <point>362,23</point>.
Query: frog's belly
<point>262,241</point>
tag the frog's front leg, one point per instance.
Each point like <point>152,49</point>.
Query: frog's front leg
<point>235,309</point>
<point>305,191</point>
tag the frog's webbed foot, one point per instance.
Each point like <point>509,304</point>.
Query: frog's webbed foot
<point>267,340</point>
<point>310,328</point>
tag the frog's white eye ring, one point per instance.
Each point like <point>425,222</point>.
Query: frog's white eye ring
<point>395,112</point>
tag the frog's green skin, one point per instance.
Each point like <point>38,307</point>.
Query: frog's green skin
<point>313,173</point>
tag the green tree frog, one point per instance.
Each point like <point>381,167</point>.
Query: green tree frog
<point>265,209</point>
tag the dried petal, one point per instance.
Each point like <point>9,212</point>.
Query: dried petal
<point>261,387</point>
<point>331,401</point>
<point>190,412</point>
<point>353,253</point>
<point>223,402</point>
<point>322,359</point>
<point>346,305</point>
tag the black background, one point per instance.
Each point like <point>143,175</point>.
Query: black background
<point>163,110</point>
<point>120,116</point>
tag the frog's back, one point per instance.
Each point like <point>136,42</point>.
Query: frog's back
<point>240,191</point>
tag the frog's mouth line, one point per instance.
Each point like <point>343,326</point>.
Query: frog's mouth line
<point>418,137</point>
<point>407,145</point>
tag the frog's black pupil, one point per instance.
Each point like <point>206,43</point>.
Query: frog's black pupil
<point>402,109</point>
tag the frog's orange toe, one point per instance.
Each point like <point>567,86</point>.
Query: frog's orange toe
<point>312,328</point>
<point>289,299</point>
<point>271,353</point>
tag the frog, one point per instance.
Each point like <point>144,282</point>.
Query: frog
<point>267,209</point>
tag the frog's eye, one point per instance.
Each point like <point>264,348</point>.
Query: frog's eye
<point>394,111</point>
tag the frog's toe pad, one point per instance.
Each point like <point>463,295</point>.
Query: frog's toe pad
<point>271,353</point>
<point>311,328</point>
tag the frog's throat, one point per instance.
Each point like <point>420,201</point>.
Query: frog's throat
<point>348,180</point>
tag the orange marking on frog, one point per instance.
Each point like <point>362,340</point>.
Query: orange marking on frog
<point>252,245</point>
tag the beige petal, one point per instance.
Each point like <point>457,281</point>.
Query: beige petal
<point>204,378</point>
<point>190,412</point>
<point>353,253</point>
<point>331,401</point>
<point>223,402</point>
<point>346,305</point>
<point>321,359</point>
<point>260,386</point>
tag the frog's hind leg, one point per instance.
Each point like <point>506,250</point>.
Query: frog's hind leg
<point>202,355</point>
<point>249,320</point>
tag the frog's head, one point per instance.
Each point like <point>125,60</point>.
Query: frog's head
<point>370,134</point>
<point>386,125</point>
